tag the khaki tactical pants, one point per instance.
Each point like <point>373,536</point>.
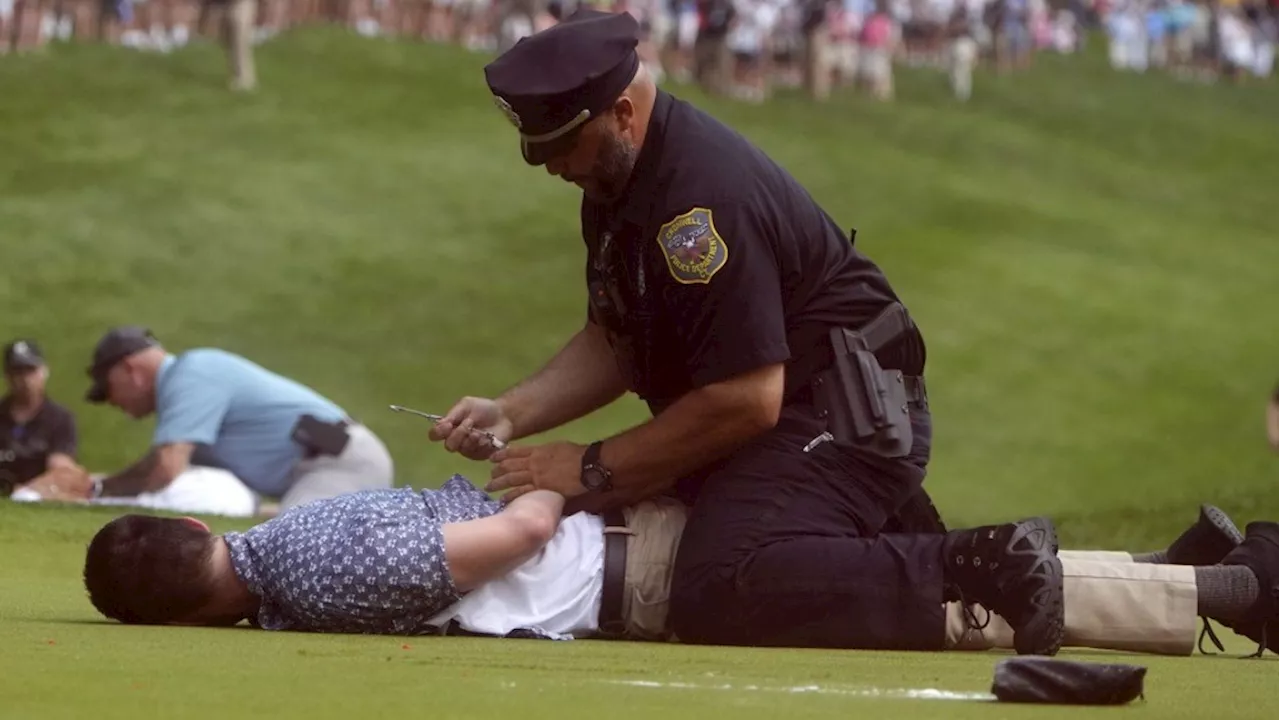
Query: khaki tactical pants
<point>654,528</point>
<point>1112,603</point>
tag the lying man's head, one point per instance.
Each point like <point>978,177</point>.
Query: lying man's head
<point>154,571</point>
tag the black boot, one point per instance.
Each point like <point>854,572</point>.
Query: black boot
<point>1260,552</point>
<point>1206,542</point>
<point>1012,570</point>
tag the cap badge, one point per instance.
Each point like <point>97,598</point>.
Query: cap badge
<point>506,109</point>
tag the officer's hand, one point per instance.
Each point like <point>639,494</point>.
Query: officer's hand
<point>463,427</point>
<point>555,466</point>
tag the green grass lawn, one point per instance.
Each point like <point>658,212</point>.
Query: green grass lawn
<point>1092,257</point>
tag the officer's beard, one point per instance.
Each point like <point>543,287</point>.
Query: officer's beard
<point>612,169</point>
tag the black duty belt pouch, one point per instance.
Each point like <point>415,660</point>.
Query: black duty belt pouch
<point>320,437</point>
<point>1066,682</point>
<point>864,405</point>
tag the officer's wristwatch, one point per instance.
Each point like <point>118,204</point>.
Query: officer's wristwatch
<point>595,477</point>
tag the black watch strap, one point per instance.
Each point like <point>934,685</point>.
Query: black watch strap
<point>592,455</point>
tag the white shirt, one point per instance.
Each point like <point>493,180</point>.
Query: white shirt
<point>557,591</point>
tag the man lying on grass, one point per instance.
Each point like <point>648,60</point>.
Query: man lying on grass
<point>410,562</point>
<point>397,561</point>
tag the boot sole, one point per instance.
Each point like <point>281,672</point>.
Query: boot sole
<point>1044,633</point>
<point>1218,520</point>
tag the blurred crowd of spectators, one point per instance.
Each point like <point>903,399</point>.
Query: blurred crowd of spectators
<point>744,48</point>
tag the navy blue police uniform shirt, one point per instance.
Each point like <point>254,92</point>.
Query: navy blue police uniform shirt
<point>25,448</point>
<point>729,263</point>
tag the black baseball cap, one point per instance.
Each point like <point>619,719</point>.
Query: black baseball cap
<point>22,355</point>
<point>553,82</point>
<point>117,344</point>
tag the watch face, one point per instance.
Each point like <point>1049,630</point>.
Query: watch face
<point>593,479</point>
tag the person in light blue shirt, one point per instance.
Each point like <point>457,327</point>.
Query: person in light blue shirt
<point>215,408</point>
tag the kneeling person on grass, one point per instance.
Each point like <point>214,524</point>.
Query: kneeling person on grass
<point>409,562</point>
<point>217,409</point>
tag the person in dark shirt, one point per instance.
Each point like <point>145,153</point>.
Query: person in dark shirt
<point>716,289</point>
<point>721,293</point>
<point>38,441</point>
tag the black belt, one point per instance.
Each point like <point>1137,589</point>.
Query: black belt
<point>893,337</point>
<point>917,394</point>
<point>615,573</point>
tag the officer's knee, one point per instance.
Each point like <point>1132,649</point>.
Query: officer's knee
<point>701,605</point>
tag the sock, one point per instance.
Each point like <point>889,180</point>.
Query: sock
<point>1225,592</point>
<point>1159,557</point>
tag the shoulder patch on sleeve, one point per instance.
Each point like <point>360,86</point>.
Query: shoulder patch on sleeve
<point>694,251</point>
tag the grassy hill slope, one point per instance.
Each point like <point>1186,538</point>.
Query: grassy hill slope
<point>1091,255</point>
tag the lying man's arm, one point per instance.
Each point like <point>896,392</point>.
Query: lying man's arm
<point>153,472</point>
<point>485,549</point>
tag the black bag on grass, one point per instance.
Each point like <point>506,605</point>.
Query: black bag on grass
<point>1065,682</point>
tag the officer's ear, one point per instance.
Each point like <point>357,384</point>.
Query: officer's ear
<point>624,110</point>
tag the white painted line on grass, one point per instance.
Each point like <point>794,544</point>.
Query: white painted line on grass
<point>903,693</point>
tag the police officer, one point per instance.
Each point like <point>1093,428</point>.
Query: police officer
<point>38,441</point>
<point>715,283</point>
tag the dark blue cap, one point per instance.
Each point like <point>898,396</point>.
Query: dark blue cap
<point>553,82</point>
<point>117,344</point>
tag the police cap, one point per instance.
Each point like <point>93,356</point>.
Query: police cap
<point>553,82</point>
